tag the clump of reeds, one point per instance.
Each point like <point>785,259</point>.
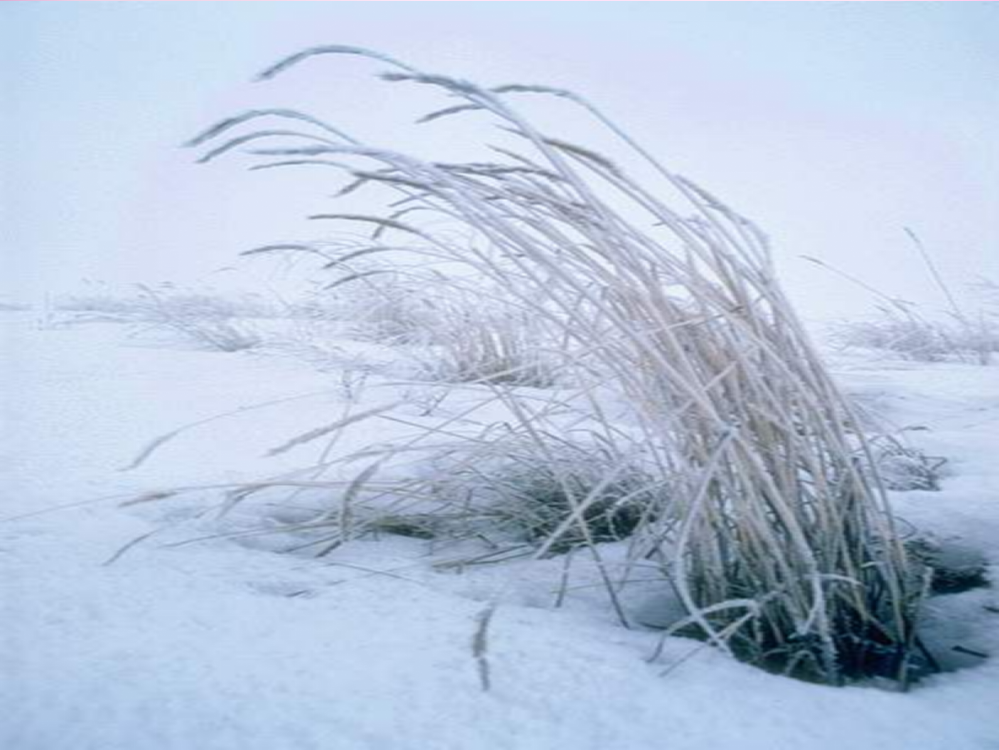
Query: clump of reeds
<point>775,533</point>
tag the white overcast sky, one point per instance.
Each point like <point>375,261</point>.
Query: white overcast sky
<point>831,124</point>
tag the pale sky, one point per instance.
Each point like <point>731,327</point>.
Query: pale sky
<point>833,125</point>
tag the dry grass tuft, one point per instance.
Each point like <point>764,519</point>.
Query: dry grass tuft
<point>775,532</point>
<point>204,317</point>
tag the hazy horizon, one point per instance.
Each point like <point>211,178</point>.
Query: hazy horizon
<point>833,125</point>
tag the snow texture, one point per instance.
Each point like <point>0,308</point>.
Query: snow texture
<point>224,644</point>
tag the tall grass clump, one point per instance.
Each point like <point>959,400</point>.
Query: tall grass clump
<point>775,533</point>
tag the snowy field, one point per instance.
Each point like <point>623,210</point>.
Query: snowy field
<point>194,639</point>
<point>507,376</point>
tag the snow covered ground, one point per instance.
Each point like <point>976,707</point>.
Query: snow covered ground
<point>226,645</point>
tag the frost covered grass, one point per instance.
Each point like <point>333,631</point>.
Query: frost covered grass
<point>479,345</point>
<point>775,533</point>
<point>203,317</point>
<point>453,332</point>
<point>910,336</point>
<point>901,328</point>
<point>561,498</point>
<point>99,297</point>
<point>904,468</point>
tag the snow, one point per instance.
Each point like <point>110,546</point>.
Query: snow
<point>224,644</point>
